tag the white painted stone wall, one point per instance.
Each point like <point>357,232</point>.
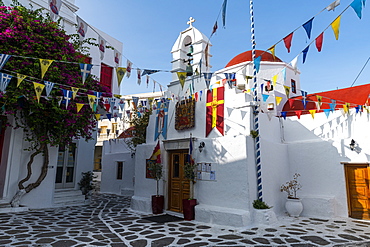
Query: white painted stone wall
<point>113,152</point>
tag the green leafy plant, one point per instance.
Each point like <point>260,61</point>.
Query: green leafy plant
<point>28,35</point>
<point>257,204</point>
<point>291,187</point>
<point>86,183</point>
<point>156,171</point>
<point>254,133</point>
<point>190,174</point>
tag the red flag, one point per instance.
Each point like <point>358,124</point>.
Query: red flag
<point>288,41</point>
<point>319,41</point>
<point>215,110</point>
<point>298,113</point>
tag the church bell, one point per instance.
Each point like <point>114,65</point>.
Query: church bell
<point>189,69</point>
<point>191,50</point>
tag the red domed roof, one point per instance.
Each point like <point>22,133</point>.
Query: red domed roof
<point>247,56</point>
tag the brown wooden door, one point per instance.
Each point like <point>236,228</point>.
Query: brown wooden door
<point>179,188</point>
<point>358,190</point>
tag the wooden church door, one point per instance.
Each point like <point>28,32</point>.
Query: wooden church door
<point>358,190</point>
<point>179,187</point>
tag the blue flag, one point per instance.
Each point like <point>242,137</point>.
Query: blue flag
<point>357,7</point>
<point>305,53</point>
<point>3,59</point>
<point>308,26</point>
<point>85,71</point>
<point>257,63</point>
<point>224,13</point>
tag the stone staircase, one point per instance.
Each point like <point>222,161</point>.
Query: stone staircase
<point>68,197</point>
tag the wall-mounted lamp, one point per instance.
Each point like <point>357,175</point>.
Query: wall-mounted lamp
<point>201,146</point>
<point>352,145</point>
<point>132,155</point>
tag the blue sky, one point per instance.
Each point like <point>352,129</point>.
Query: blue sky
<point>148,30</point>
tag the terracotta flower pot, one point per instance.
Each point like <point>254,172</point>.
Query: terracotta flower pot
<point>157,204</point>
<point>188,208</point>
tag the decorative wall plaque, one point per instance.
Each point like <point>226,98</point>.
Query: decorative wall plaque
<point>185,114</point>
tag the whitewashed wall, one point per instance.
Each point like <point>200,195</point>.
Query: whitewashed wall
<point>114,151</point>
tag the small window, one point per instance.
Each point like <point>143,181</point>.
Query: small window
<point>119,170</point>
<point>293,86</point>
<point>106,77</point>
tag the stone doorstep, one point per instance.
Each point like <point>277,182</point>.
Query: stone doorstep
<point>8,209</point>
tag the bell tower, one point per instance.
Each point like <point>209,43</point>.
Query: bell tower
<point>191,52</point>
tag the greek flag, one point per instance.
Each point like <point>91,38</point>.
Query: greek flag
<point>4,81</point>
<point>85,71</point>
<point>3,59</point>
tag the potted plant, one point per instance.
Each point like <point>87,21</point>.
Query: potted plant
<point>293,204</point>
<point>263,213</point>
<point>86,183</point>
<point>156,172</point>
<point>189,204</point>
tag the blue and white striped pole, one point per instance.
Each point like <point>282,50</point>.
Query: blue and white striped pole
<point>255,115</point>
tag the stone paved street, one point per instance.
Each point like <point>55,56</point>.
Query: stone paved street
<point>108,221</point>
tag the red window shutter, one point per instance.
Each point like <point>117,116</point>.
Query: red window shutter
<point>106,73</point>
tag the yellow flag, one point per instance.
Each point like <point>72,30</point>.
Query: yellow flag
<point>97,116</point>
<point>287,91</point>
<point>367,109</point>
<point>118,96</point>
<point>38,89</point>
<point>91,99</point>
<point>319,99</point>
<point>120,71</point>
<point>218,82</point>
<point>182,77</point>
<point>272,50</point>
<point>20,78</point>
<point>278,100</point>
<point>247,77</point>
<point>74,92</point>
<point>79,107</point>
<point>274,80</point>
<point>312,112</point>
<point>45,63</point>
<point>335,26</point>
<point>345,108</point>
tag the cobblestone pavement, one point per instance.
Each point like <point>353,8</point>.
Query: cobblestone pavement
<point>108,221</point>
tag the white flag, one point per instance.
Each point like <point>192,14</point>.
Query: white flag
<point>117,57</point>
<point>55,6</point>
<point>102,44</point>
<point>128,68</point>
<point>81,28</point>
<point>333,5</point>
<point>139,76</point>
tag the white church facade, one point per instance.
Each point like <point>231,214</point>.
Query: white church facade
<point>218,115</point>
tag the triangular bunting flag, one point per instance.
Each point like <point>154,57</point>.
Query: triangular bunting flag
<point>319,41</point>
<point>121,104</point>
<point>257,63</point>
<point>48,87</point>
<point>327,112</point>
<point>335,26</point>
<point>308,26</point>
<point>283,114</point>
<point>243,114</point>
<point>74,92</point>
<point>97,116</point>
<point>357,7</point>
<point>298,113</point>
<point>38,89</point>
<point>288,41</point>
<point>85,71</point>
<point>79,106</point>
<point>272,50</point>
<point>149,72</point>
<point>278,100</point>
<point>274,79</point>
<point>112,103</point>
<point>45,63</point>
<point>291,101</point>
<point>305,53</point>
<point>91,99</point>
<point>265,97</point>
<point>319,99</point>
<point>20,78</point>
<point>120,71</point>
<point>294,63</point>
<point>182,77</point>
<point>287,91</point>
<point>207,78</point>
<point>312,112</point>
